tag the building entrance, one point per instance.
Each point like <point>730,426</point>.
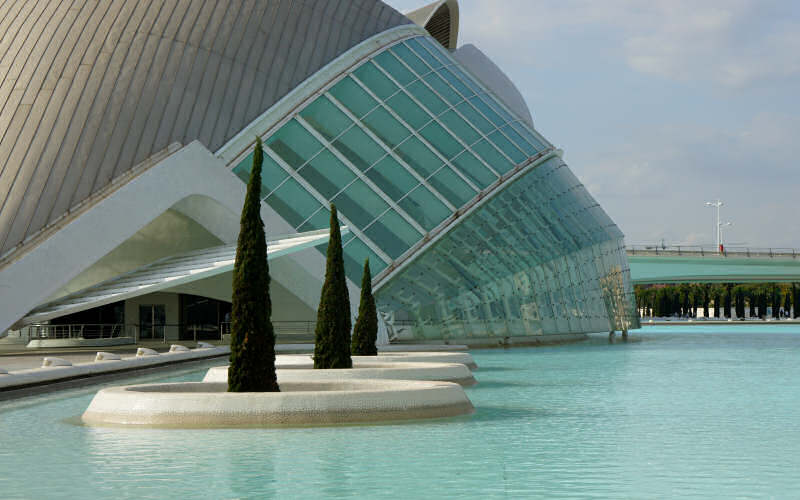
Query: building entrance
<point>152,321</point>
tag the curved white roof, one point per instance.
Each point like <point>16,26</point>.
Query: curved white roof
<point>90,89</point>
<point>440,19</point>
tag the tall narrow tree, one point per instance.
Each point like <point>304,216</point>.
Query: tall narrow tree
<point>252,366</point>
<point>332,335</point>
<point>365,331</point>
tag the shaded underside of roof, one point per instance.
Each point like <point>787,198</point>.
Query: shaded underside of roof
<point>91,88</point>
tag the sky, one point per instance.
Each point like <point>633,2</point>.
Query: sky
<point>662,105</point>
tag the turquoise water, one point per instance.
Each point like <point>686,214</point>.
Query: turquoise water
<point>676,412</point>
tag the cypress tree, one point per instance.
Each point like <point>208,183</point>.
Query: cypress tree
<point>252,366</point>
<point>332,335</point>
<point>727,302</point>
<point>365,332</point>
<point>794,301</point>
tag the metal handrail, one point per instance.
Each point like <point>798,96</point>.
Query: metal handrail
<point>77,330</point>
<point>703,250</point>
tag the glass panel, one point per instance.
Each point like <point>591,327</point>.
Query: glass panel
<point>354,254</point>
<point>294,144</point>
<point>523,130</point>
<point>375,80</point>
<point>439,138</point>
<point>320,220</point>
<point>498,108</point>
<point>518,140</point>
<point>359,148</point>
<point>394,67</point>
<point>326,118</point>
<point>393,234</point>
<point>424,95</point>
<point>475,118</point>
<point>293,203</point>
<point>424,54</point>
<point>419,157</point>
<point>392,178</point>
<point>360,204</point>
<point>435,49</point>
<point>408,110</point>
<point>444,90</point>
<point>474,169</point>
<point>487,111</point>
<point>468,81</point>
<point>491,156</point>
<point>409,58</point>
<point>425,208</point>
<point>383,124</point>
<point>327,174</point>
<point>459,127</point>
<point>271,173</point>
<point>455,82</point>
<point>353,97</point>
<point>506,146</point>
<point>452,187</point>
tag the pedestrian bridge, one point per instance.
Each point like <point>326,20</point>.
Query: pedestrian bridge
<point>681,264</point>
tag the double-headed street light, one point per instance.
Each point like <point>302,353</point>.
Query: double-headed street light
<point>718,204</point>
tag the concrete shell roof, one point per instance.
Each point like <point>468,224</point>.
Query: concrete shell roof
<point>90,88</point>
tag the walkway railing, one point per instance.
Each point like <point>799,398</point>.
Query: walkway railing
<point>710,250</point>
<point>75,331</point>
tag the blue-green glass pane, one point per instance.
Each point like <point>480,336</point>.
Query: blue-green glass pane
<point>271,173</point>
<point>293,203</point>
<point>294,144</point>
<point>320,220</point>
<point>392,178</point>
<point>519,140</point>
<point>360,204</point>
<point>506,146</point>
<point>359,148</point>
<point>529,136</point>
<point>425,208</point>
<point>428,99</point>
<point>498,108</point>
<point>444,90</point>
<point>327,174</point>
<point>459,127</point>
<point>393,234</point>
<point>384,125</point>
<point>408,110</point>
<point>394,67</point>
<point>475,118</point>
<point>326,118</point>
<point>467,79</point>
<point>439,138</point>
<point>487,111</point>
<point>492,156</point>
<point>408,57</point>
<point>419,157</point>
<point>453,80</point>
<point>470,166</point>
<point>375,80</point>
<point>354,255</point>
<point>354,98</point>
<point>452,187</point>
<point>423,53</point>
<point>436,49</point>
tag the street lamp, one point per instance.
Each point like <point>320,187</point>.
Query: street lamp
<point>718,204</point>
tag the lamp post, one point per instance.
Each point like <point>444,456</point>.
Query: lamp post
<point>718,204</point>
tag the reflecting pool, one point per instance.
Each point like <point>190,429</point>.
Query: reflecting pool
<point>676,412</point>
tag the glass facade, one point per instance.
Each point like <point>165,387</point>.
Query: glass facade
<point>403,143</point>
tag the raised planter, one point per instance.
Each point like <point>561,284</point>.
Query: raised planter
<point>443,372</point>
<point>208,405</point>
<point>304,361</point>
